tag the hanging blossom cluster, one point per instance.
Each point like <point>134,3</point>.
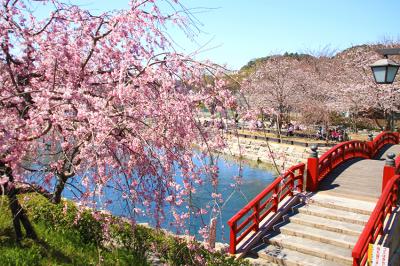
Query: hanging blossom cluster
<point>92,103</point>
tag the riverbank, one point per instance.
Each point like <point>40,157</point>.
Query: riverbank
<point>261,151</point>
<point>70,236</point>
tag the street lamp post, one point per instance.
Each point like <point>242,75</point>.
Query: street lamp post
<point>385,71</point>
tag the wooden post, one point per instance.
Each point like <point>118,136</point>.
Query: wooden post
<point>276,198</point>
<point>300,184</point>
<point>232,243</point>
<point>291,184</point>
<point>396,193</point>
<point>312,170</point>
<point>256,210</point>
<point>389,170</point>
<point>343,153</point>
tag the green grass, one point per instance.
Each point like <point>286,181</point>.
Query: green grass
<point>56,246</point>
<point>66,240</point>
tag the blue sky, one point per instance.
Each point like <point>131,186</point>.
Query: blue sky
<point>237,31</point>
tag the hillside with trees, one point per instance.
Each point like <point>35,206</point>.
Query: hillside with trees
<point>319,89</point>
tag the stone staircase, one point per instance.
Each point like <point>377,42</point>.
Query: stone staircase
<point>321,231</point>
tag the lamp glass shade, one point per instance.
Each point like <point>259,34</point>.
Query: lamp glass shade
<point>384,71</point>
<point>379,74</point>
<point>391,73</point>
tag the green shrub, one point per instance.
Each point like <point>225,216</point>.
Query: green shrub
<point>64,216</point>
<point>170,249</point>
<point>79,240</point>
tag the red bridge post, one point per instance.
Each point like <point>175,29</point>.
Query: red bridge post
<point>389,170</point>
<point>312,170</point>
<point>370,144</point>
<point>232,237</point>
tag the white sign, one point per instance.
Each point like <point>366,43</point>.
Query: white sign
<point>378,255</point>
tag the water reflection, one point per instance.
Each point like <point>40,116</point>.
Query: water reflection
<point>255,177</point>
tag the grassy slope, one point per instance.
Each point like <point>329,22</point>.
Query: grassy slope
<point>66,240</point>
<point>55,247</point>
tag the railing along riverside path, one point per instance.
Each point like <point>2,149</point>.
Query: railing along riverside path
<point>280,140</point>
<point>384,207</point>
<point>248,218</point>
<point>317,170</point>
<point>375,224</point>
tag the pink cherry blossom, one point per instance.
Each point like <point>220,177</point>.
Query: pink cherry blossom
<point>103,101</point>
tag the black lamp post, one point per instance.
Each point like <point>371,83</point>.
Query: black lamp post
<point>385,71</point>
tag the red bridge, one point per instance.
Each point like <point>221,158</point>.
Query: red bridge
<point>328,211</point>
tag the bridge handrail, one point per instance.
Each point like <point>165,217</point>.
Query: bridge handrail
<point>353,149</point>
<point>341,153</point>
<point>382,139</point>
<point>318,168</point>
<point>375,224</point>
<point>264,203</point>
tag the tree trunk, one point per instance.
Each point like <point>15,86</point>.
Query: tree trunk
<point>59,189</point>
<point>326,125</point>
<point>279,126</point>
<point>388,121</point>
<point>354,122</point>
<point>378,124</point>
<point>18,213</point>
<point>19,216</point>
<point>388,125</point>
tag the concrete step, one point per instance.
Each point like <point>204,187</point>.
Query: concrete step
<point>324,236</point>
<point>339,215</point>
<point>288,257</point>
<point>349,193</point>
<point>341,203</point>
<point>327,224</point>
<point>260,262</point>
<point>313,248</point>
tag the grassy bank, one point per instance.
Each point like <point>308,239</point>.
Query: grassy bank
<point>65,239</point>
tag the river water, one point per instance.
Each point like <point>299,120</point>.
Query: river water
<point>254,178</point>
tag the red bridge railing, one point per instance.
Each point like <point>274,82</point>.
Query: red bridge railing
<point>319,168</point>
<point>341,153</point>
<point>382,139</point>
<point>375,224</point>
<point>249,218</point>
<point>397,165</point>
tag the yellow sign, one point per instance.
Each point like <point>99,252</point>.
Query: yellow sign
<point>378,255</point>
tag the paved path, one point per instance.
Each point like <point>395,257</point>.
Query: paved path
<point>358,178</point>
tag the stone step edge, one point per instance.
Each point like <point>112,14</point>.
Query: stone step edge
<point>318,238</point>
<point>314,212</point>
<point>320,225</point>
<point>304,259</point>
<point>331,205</point>
<point>311,248</point>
